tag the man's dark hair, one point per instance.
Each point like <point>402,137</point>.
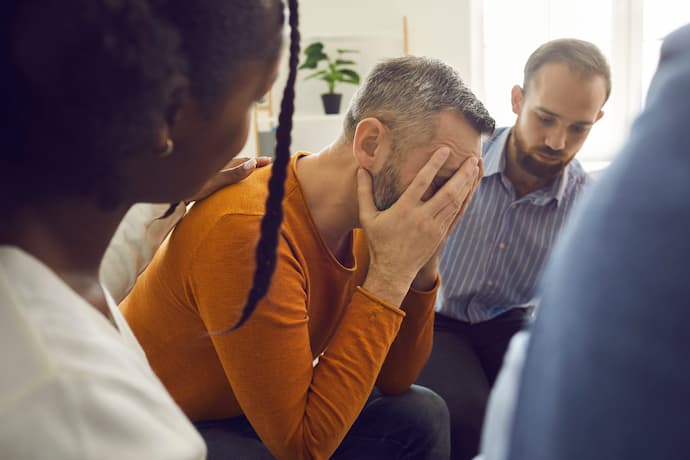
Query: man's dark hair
<point>579,55</point>
<point>87,82</point>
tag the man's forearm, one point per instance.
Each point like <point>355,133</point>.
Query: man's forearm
<point>412,346</point>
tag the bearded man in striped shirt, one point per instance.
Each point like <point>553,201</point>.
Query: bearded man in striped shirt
<point>494,256</point>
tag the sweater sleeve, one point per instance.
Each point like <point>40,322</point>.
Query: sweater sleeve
<point>412,346</point>
<point>298,410</point>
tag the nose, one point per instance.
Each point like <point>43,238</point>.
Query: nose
<point>555,138</point>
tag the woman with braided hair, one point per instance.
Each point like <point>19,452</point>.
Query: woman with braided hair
<point>111,103</point>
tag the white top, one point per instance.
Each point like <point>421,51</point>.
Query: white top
<point>73,386</point>
<point>135,242</point>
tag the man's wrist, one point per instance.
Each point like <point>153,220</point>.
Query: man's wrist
<point>391,288</point>
<point>427,276</point>
<point>425,280</point>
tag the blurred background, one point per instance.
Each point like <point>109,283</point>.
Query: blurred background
<point>488,42</point>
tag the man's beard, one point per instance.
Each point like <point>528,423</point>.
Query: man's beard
<point>386,190</point>
<point>532,164</point>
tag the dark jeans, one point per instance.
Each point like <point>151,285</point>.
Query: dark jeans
<point>414,425</point>
<point>462,369</point>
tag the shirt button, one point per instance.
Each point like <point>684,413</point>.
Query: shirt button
<point>513,206</point>
<point>501,246</point>
<point>490,283</point>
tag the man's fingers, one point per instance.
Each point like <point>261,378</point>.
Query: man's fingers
<point>461,212</point>
<point>450,215</point>
<point>473,190</point>
<point>447,217</point>
<point>365,195</point>
<point>469,197</point>
<point>416,190</point>
<point>456,190</point>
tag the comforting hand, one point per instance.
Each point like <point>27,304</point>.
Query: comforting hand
<point>403,238</point>
<point>233,172</point>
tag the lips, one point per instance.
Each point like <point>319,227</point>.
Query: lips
<point>547,157</point>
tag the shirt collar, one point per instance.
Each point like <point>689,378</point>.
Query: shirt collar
<point>494,160</point>
<point>495,163</point>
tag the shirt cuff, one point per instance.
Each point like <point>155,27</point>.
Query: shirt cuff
<point>433,290</point>
<point>380,301</point>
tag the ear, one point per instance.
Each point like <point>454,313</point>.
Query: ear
<point>163,136</point>
<point>601,114</point>
<point>516,99</point>
<point>179,105</point>
<point>371,144</point>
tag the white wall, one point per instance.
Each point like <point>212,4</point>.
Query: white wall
<point>439,28</point>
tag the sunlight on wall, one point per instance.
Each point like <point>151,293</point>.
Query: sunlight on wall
<point>660,17</point>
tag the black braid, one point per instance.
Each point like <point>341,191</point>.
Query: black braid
<point>270,224</point>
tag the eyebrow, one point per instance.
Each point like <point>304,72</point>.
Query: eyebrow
<point>555,115</point>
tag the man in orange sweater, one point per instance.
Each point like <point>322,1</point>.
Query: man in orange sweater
<point>324,367</point>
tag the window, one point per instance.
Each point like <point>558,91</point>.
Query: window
<point>659,18</point>
<point>628,32</point>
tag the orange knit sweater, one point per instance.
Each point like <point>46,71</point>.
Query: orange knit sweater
<point>196,286</point>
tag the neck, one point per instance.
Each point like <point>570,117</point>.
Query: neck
<point>328,181</point>
<point>523,182</point>
<point>70,238</point>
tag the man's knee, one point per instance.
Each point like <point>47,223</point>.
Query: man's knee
<point>424,409</point>
<point>469,408</point>
<point>414,424</point>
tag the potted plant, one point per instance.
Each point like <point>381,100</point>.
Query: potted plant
<point>336,71</point>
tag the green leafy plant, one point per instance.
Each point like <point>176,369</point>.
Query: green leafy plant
<point>336,70</point>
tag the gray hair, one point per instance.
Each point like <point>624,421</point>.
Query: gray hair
<point>407,94</point>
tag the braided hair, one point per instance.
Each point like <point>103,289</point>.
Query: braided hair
<point>270,224</point>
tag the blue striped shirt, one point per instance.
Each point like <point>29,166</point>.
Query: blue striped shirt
<point>496,252</point>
